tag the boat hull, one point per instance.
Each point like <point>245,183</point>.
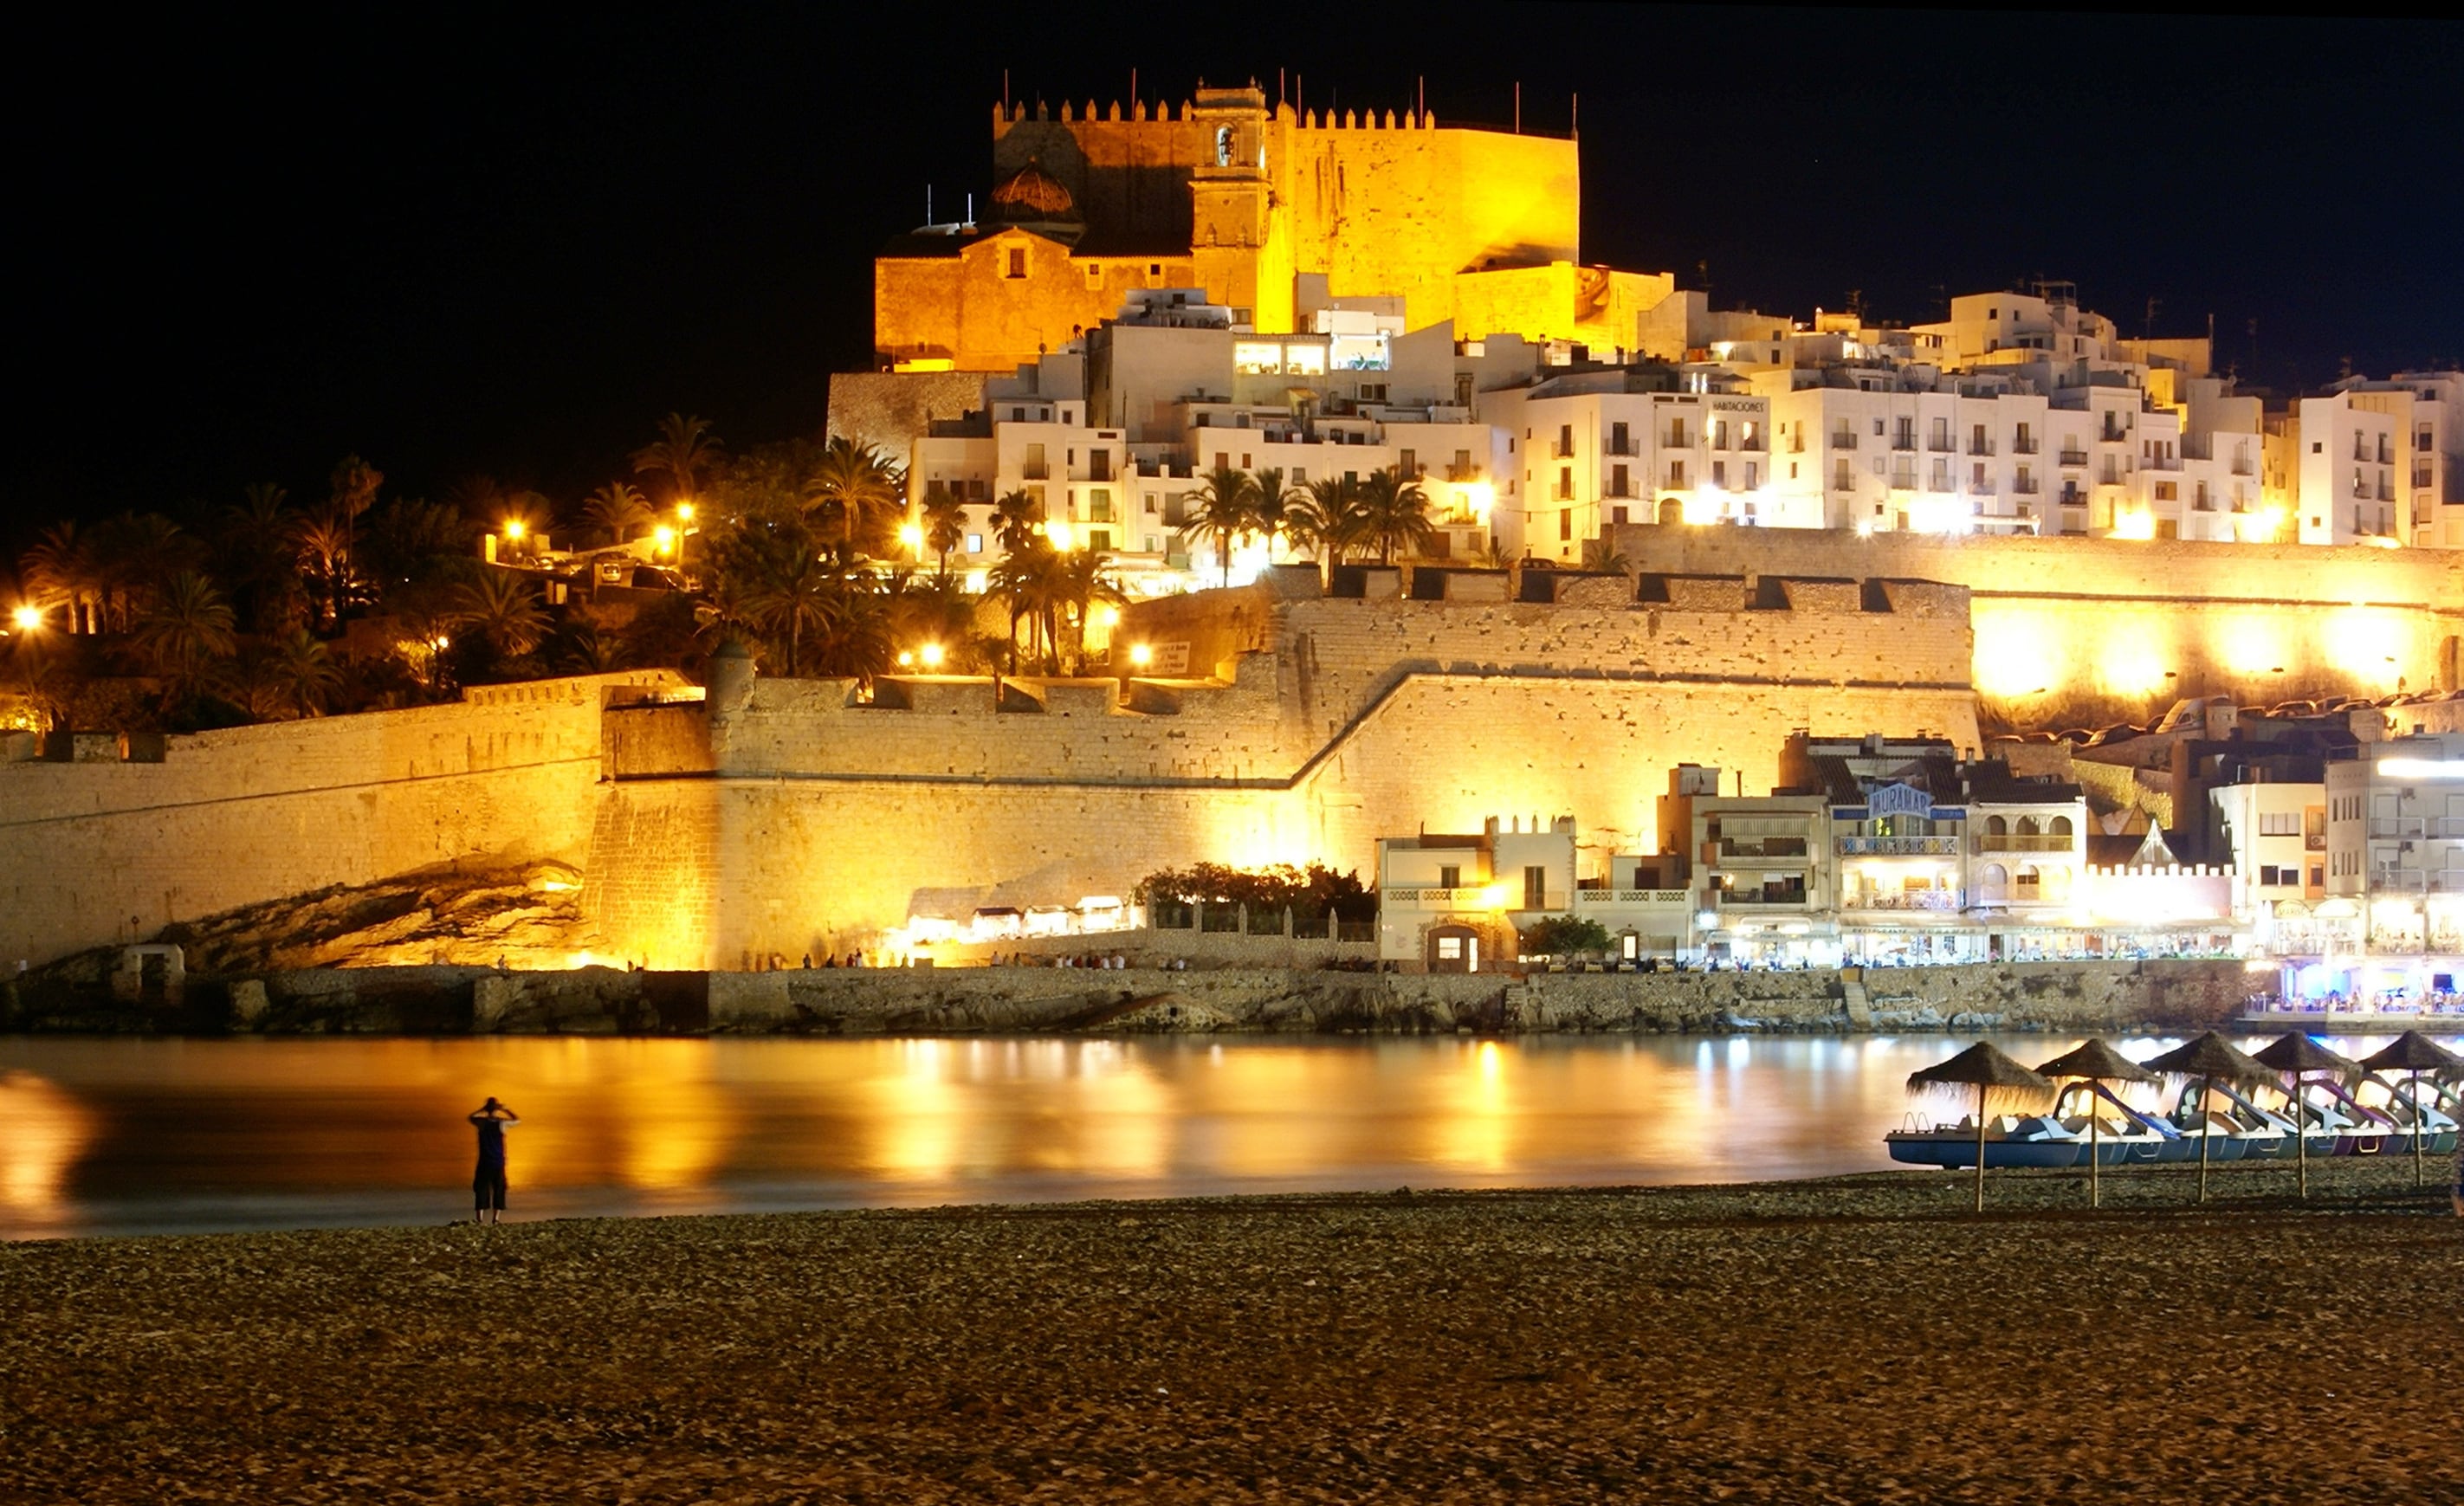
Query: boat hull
<point>1956,1151</point>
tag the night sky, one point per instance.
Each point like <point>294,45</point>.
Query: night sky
<point>456,242</point>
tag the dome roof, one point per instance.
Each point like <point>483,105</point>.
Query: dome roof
<point>1032,193</point>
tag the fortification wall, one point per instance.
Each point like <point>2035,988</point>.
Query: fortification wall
<point>2074,631</point>
<point>822,818</point>
<point>97,853</point>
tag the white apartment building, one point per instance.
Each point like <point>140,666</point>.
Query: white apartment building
<point>1455,902</point>
<point>2395,840</point>
<point>2278,835</point>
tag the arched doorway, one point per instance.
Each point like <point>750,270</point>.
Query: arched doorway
<point>1671,510</point>
<point>1453,948</point>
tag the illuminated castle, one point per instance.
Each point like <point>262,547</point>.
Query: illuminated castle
<point>1274,211</point>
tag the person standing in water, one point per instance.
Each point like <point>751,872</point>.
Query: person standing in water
<point>491,1120</point>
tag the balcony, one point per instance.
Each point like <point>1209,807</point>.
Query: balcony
<point>2023,841</point>
<point>1458,899</point>
<point>2025,487</point>
<point>1461,473</point>
<point>1621,449</point>
<point>1035,471</point>
<point>1980,489</point>
<point>1758,848</point>
<point>1898,846</point>
<point>2241,468</point>
<point>2024,446</point>
<point>2415,828</point>
<point>2447,881</point>
<point>1980,447</point>
<point>1752,445</point>
<point>1842,439</point>
<point>2399,881</point>
<point>1759,899</point>
<point>1906,441</point>
<point>1561,450</point>
<point>1941,444</point>
<point>1938,900</point>
<point>2074,457</point>
<point>1625,899</point>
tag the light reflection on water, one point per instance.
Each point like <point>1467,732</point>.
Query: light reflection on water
<point>121,1136</point>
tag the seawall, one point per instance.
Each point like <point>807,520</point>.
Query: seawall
<point>2102,998</point>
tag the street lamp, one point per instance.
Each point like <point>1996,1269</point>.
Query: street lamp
<point>1140,655</point>
<point>29,618</point>
<point>913,537</point>
<point>664,538</point>
<point>932,656</point>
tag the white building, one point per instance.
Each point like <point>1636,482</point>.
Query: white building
<point>2395,840</point>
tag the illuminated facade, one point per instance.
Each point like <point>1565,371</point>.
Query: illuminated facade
<point>1245,200</point>
<point>2395,840</point>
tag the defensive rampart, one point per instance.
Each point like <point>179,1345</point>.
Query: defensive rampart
<point>818,812</point>
<point>104,852</point>
<point>2084,631</point>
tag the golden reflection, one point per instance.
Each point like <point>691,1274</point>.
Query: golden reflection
<point>43,1132</point>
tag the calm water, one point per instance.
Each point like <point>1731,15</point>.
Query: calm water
<point>114,1136</point>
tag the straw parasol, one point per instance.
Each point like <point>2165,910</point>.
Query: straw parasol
<point>2415,1053</point>
<point>2297,1053</point>
<point>1992,1073</point>
<point>2207,1056</point>
<point>2099,1063</point>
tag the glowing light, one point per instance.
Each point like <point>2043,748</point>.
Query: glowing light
<point>2131,667</point>
<point>1702,507</point>
<point>1057,533</point>
<point>2382,542</point>
<point>1141,655</point>
<point>2421,768</point>
<point>1864,528</point>
<point>513,529</point>
<point>1493,896</point>
<point>1107,616</point>
<point>665,539</point>
<point>684,512</point>
<point>29,618</point>
<point>1478,497</point>
<point>906,658</point>
<point>2134,525</point>
<point>2366,645</point>
<point>912,536</point>
<point>931,653</point>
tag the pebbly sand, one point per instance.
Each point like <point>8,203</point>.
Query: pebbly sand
<point>1863,1339</point>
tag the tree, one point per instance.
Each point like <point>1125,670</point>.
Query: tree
<point>133,555</point>
<point>1079,583</point>
<point>684,448</point>
<point>616,509</point>
<point>187,629</point>
<point>60,572</point>
<point>1024,582</point>
<point>853,484</point>
<point>1273,507</point>
<point>794,596</point>
<point>1222,508</point>
<point>501,608</point>
<point>1564,936</point>
<point>1326,519</point>
<point>324,544</point>
<point>301,674</point>
<point>1394,515</point>
<point>945,526</point>
<point>1601,554</point>
<point>1018,522</point>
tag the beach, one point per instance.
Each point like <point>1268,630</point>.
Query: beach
<point>1856,1338</point>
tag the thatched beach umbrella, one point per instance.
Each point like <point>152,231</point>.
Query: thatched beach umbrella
<point>2415,1053</point>
<point>1993,1075</point>
<point>2297,1053</point>
<point>2099,1063</point>
<point>2208,1057</point>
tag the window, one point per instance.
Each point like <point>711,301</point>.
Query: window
<point>1373,392</point>
<point>1676,474</point>
<point>1566,525</point>
<point>1840,478</point>
<point>1677,434</point>
<point>1620,486</point>
<point>1719,433</point>
<point>1034,468</point>
<point>1565,483</point>
<point>1565,439</point>
<point>1095,272</point>
<point>1535,888</point>
<point>1018,261</point>
<point>1450,949</point>
<point>1099,504</point>
<point>1449,877</point>
<point>1718,472</point>
<point>1620,445</point>
<point>1151,504</point>
<point>1617,514</point>
<point>1099,540</point>
<point>1409,464</point>
<point>975,543</point>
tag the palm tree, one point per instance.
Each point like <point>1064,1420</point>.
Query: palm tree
<point>61,571</point>
<point>1601,554</point>
<point>684,448</point>
<point>1018,522</point>
<point>499,607</point>
<point>1223,508</point>
<point>1079,584</point>
<point>1394,515</point>
<point>794,595</point>
<point>616,509</point>
<point>1275,504</point>
<point>854,484</point>
<point>945,526</point>
<point>1325,519</point>
<point>256,556</point>
<point>324,553</point>
<point>1024,582</point>
<point>135,554</point>
<point>301,674</point>
<point>189,627</point>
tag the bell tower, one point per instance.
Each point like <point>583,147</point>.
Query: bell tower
<point>1235,234</point>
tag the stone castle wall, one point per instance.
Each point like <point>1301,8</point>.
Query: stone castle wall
<point>2077,631</point>
<point>817,816</point>
<point>93,854</point>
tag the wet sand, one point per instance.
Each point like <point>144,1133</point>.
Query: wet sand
<point>1857,1339</point>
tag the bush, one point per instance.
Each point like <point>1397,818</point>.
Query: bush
<point>1564,936</point>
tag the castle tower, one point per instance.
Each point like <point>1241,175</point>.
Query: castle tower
<point>1241,246</point>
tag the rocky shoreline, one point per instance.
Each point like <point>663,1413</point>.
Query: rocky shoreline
<point>2102,997</point>
<point>1860,1339</point>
